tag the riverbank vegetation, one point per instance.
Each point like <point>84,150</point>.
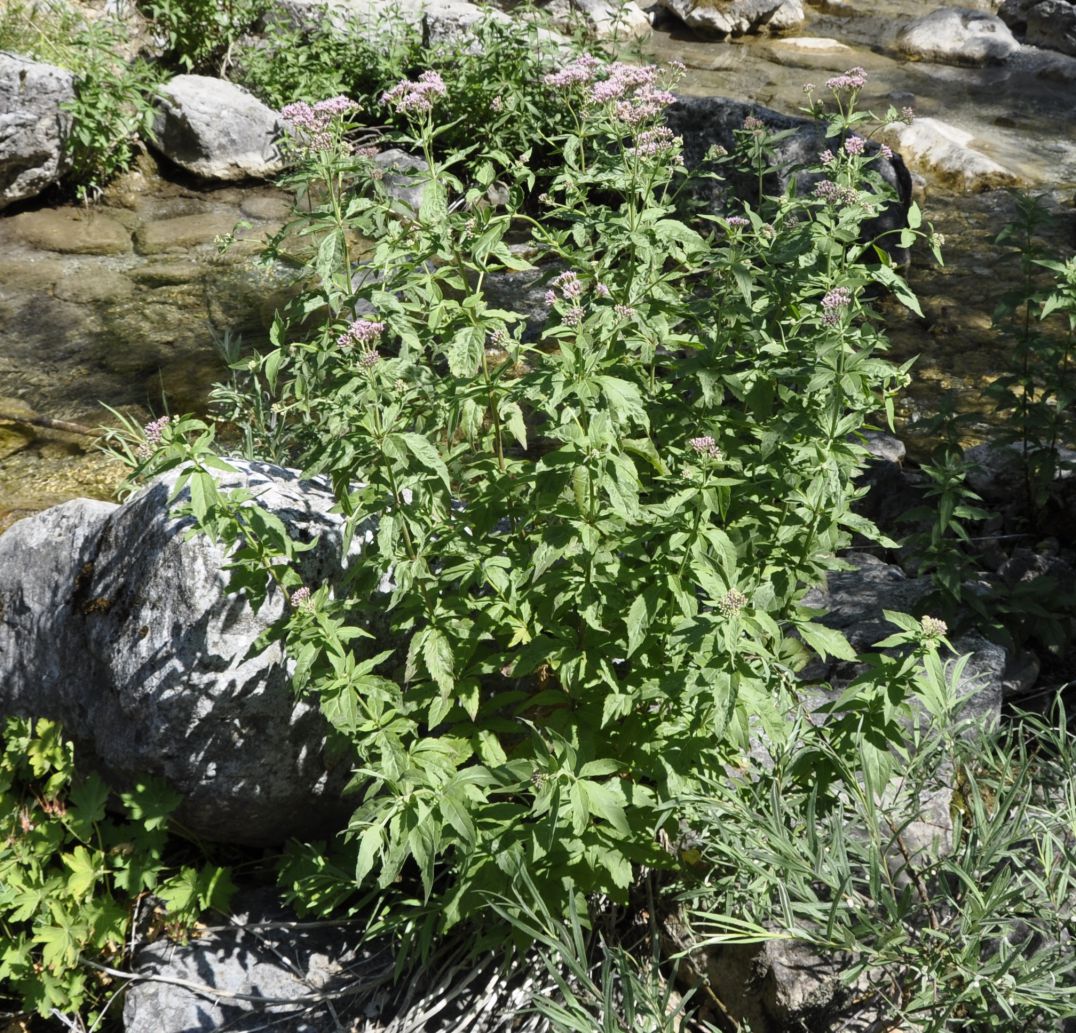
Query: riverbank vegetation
<point>571,659</point>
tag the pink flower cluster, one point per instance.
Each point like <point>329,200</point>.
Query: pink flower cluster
<point>705,446</point>
<point>407,96</point>
<point>738,221</point>
<point>855,145</point>
<point>312,123</point>
<point>361,332</point>
<point>300,597</point>
<point>853,79</point>
<point>753,125</point>
<point>152,432</point>
<point>833,302</point>
<point>660,140</point>
<point>569,285</point>
<point>828,191</point>
<point>631,89</point>
<point>575,73</point>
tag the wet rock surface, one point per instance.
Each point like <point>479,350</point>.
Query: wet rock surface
<point>948,155</point>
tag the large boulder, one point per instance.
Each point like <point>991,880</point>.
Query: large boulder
<point>33,125</point>
<point>613,19</point>
<point>119,624</point>
<point>1043,23</point>
<point>217,130</point>
<point>735,17</point>
<point>957,36</point>
<point>439,21</point>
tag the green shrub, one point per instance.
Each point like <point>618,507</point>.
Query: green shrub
<point>971,933</point>
<point>198,35</point>
<point>112,110</point>
<point>74,872</point>
<point>578,596</point>
<point>498,95</point>
<point>1037,391</point>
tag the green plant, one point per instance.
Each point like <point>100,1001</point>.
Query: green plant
<point>78,864</point>
<point>499,95</point>
<point>944,550</point>
<point>584,554</point>
<point>1037,387</point>
<point>38,28</point>
<point>199,35</point>
<point>112,109</point>
<point>956,919</point>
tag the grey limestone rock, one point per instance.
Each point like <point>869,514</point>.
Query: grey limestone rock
<point>217,130</point>
<point>613,19</point>
<point>121,626</point>
<point>265,972</point>
<point>958,35</point>
<point>1050,24</point>
<point>33,125</point>
<point>735,17</point>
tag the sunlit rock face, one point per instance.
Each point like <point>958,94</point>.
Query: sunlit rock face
<point>115,621</point>
<point>33,126</point>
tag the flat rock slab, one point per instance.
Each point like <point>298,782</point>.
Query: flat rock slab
<point>72,231</point>
<point>183,232</point>
<point>279,968</point>
<point>944,153</point>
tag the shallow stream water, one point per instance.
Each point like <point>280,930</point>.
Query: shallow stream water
<point>121,304</point>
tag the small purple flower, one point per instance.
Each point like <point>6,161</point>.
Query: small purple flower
<point>809,87</point>
<point>601,290</point>
<point>886,152</point>
<point>834,302</point>
<point>574,316</point>
<point>155,429</point>
<point>624,311</point>
<point>655,141</point>
<point>828,191</point>
<point>569,284</point>
<point>826,157</point>
<point>152,432</point>
<point>907,115</point>
<point>853,79</point>
<point>361,332</point>
<point>705,446</point>
<point>753,124</point>
<point>738,221</point>
<point>855,145</point>
<point>550,297</point>
<point>300,598</point>
<point>370,358</point>
<point>407,96</point>
<point>312,124</point>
